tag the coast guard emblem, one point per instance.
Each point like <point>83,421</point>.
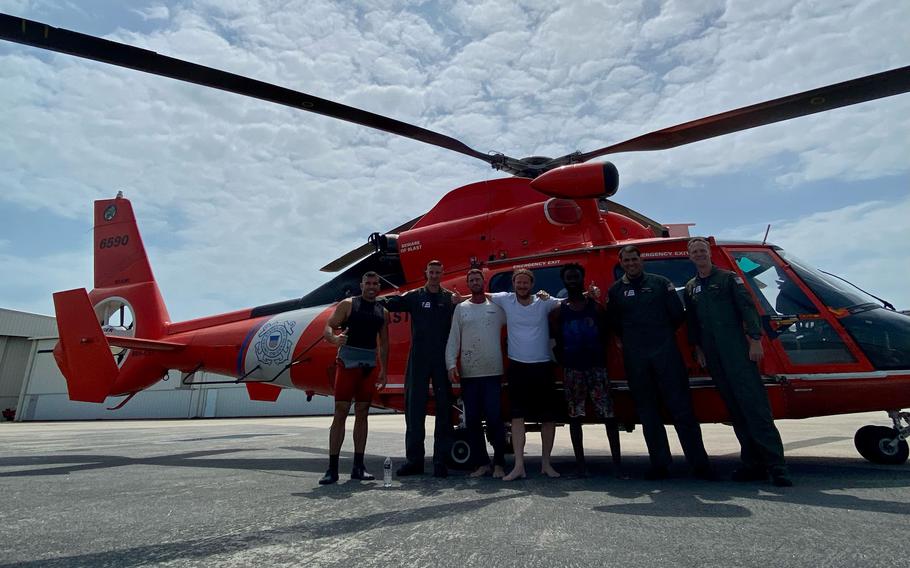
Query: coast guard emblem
<point>273,343</point>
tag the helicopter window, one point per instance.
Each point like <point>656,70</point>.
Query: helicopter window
<point>544,279</point>
<point>805,341</point>
<point>832,292</point>
<point>883,335</point>
<point>676,270</point>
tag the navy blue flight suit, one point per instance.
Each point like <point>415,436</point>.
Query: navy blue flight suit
<point>431,319</point>
<point>645,313</point>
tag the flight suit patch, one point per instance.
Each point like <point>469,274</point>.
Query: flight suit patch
<point>629,293</point>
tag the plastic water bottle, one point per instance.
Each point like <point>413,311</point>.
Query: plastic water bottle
<point>387,472</point>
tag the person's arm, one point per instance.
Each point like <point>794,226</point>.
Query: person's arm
<point>674,305</point>
<point>693,329</point>
<point>383,377</point>
<point>397,303</point>
<point>498,298</point>
<point>749,315</point>
<point>555,333</point>
<point>336,320</point>
<point>453,346</point>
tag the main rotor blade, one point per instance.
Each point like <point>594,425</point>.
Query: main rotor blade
<point>40,35</point>
<point>358,253</point>
<point>871,87</point>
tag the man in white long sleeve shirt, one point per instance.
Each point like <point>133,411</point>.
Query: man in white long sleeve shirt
<point>474,354</point>
<point>532,392</point>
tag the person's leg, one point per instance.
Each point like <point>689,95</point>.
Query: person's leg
<point>644,392</point>
<point>361,413</point>
<point>492,405</point>
<point>415,413</point>
<point>518,404</point>
<point>547,436</point>
<point>336,438</point>
<point>518,447</point>
<point>576,395</point>
<point>673,382</point>
<point>598,386</point>
<point>442,431</point>
<point>472,397</point>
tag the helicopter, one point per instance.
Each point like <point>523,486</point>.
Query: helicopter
<point>830,348</point>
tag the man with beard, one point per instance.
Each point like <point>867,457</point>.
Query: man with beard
<point>645,312</point>
<point>725,330</point>
<point>361,321</point>
<point>530,374</point>
<point>579,327</point>
<point>474,358</point>
<point>430,308</point>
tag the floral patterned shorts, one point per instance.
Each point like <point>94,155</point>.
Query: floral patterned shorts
<point>588,384</point>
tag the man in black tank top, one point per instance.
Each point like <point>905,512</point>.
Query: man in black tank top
<point>579,327</point>
<point>362,322</point>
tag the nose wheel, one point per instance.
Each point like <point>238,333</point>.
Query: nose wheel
<point>883,445</point>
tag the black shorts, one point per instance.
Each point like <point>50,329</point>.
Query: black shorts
<point>532,391</point>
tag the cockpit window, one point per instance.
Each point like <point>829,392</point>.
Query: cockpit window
<point>791,318</point>
<point>831,291</point>
<point>779,294</point>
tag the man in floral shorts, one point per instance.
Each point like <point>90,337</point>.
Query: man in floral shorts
<point>579,327</point>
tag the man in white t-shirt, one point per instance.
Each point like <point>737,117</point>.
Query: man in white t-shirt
<point>532,392</point>
<point>474,355</point>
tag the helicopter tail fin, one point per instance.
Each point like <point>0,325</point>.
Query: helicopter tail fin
<point>83,353</point>
<point>123,313</point>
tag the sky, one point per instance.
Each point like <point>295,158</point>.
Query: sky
<point>240,201</point>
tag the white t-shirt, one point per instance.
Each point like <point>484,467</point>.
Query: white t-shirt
<point>528,326</point>
<point>475,336</point>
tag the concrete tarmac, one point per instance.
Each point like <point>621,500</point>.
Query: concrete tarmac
<point>243,493</point>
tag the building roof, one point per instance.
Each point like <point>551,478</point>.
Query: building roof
<point>23,324</point>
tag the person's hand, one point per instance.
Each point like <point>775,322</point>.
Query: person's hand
<point>543,295</point>
<point>700,357</point>
<point>381,380</point>
<point>340,339</point>
<point>755,350</point>
<point>618,343</point>
<point>457,298</point>
<point>594,291</point>
<point>454,377</point>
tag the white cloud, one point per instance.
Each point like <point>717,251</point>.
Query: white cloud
<point>241,201</point>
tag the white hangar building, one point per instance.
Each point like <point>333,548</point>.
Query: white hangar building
<point>33,387</point>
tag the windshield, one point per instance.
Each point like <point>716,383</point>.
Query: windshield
<point>831,291</point>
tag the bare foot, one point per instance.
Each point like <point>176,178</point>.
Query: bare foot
<point>549,471</point>
<point>517,473</point>
<point>480,471</point>
<point>498,472</point>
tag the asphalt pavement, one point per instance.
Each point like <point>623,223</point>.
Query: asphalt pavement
<point>244,492</point>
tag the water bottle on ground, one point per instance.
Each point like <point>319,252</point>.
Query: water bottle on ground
<point>387,472</point>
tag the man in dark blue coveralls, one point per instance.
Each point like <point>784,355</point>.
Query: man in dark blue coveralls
<point>725,330</point>
<point>430,309</point>
<point>645,312</point>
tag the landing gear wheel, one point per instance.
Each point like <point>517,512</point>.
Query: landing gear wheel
<point>460,455</point>
<point>875,444</point>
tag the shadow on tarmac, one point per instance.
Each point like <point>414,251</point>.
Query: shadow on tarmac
<point>201,548</point>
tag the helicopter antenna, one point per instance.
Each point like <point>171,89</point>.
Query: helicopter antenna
<point>885,303</point>
<point>768,230</point>
<point>389,282</point>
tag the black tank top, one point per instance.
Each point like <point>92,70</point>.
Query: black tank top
<point>364,323</point>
